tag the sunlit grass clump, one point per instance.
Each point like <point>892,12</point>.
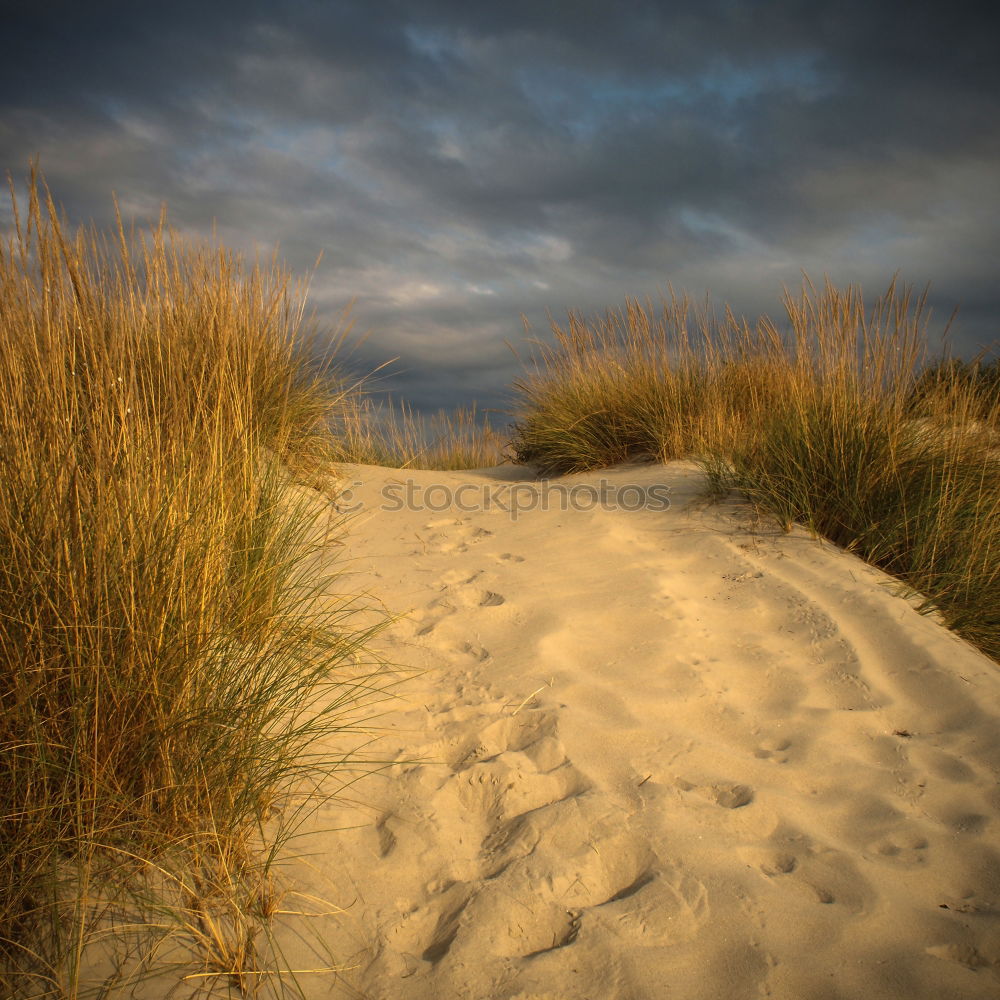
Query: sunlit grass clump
<point>167,662</point>
<point>372,433</point>
<point>836,423</point>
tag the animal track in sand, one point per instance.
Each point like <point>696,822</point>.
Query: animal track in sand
<point>742,577</point>
<point>479,653</point>
<point>509,557</point>
<point>827,875</point>
<point>846,691</point>
<point>903,848</point>
<point>774,749</point>
<point>433,613</point>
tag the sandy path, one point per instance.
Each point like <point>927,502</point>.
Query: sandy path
<point>662,754</point>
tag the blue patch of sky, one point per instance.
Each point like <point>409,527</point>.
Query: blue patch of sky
<point>113,107</point>
<point>794,73</point>
<point>878,229</point>
<point>271,133</point>
<point>447,137</point>
<point>716,230</point>
<point>434,43</point>
<point>582,102</point>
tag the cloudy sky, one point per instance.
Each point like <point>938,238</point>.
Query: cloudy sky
<point>460,163</point>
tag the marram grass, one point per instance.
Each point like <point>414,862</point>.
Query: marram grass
<point>373,433</point>
<point>836,423</point>
<point>168,661</point>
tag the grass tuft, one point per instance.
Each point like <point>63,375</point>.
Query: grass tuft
<point>169,655</point>
<point>370,433</point>
<point>837,423</point>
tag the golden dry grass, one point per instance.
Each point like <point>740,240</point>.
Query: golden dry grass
<point>167,660</point>
<point>830,423</point>
<point>396,436</point>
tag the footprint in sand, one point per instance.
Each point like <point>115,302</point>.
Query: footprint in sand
<point>732,796</point>
<point>465,593</point>
<point>560,871</point>
<point>428,930</point>
<point>662,906</point>
<point>427,624</point>
<point>386,835</point>
<point>446,535</point>
<point>532,733</point>
<point>535,859</point>
<point>453,599</point>
<point>725,794</point>
<point>778,863</point>
<point>456,576</point>
<point>514,931</point>
<point>443,522</point>
<point>576,855</point>
<point>473,537</point>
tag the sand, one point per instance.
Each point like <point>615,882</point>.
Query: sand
<point>655,752</point>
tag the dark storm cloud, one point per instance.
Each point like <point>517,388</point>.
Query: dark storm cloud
<point>461,163</point>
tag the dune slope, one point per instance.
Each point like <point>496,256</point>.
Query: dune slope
<point>656,752</point>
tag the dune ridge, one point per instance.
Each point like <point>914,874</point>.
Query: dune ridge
<point>660,753</point>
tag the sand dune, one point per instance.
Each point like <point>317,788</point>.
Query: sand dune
<point>657,753</point>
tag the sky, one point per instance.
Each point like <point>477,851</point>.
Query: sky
<point>460,164</point>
